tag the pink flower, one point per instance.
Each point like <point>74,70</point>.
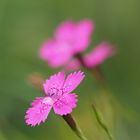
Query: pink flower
<point>70,38</point>
<point>99,54</point>
<point>57,96</point>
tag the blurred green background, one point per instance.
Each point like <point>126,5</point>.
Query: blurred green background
<point>25,24</point>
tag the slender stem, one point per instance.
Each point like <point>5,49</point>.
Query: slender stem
<point>73,125</point>
<point>102,122</point>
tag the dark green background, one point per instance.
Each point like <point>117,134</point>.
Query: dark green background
<point>25,24</point>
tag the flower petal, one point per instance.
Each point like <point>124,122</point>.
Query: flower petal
<point>57,53</point>
<point>44,50</point>
<point>99,54</point>
<point>56,81</point>
<point>65,31</point>
<point>77,35</point>
<point>72,81</point>
<point>39,110</point>
<point>83,35</point>
<point>65,104</point>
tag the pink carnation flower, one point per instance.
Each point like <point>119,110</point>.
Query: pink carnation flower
<point>57,96</point>
<point>70,38</point>
<point>99,54</point>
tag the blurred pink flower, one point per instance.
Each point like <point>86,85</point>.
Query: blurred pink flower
<point>70,38</point>
<point>99,54</point>
<point>58,97</point>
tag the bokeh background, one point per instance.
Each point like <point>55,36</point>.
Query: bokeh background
<point>25,24</point>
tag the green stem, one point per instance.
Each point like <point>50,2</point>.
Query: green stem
<point>102,122</point>
<point>73,125</point>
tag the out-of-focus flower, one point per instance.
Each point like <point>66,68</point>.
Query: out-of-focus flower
<point>57,96</point>
<point>69,39</point>
<point>99,54</point>
<point>96,57</point>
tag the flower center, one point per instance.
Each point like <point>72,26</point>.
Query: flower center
<point>54,93</point>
